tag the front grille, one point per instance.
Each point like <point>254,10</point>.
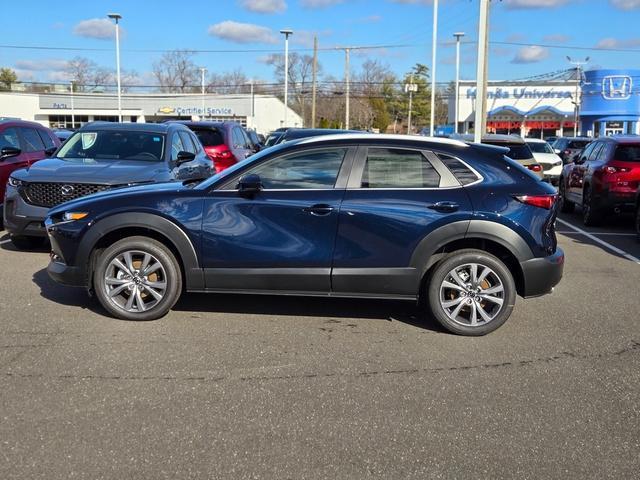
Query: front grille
<point>52,194</point>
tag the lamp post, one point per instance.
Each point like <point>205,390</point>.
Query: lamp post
<point>576,100</point>
<point>73,110</point>
<point>458,36</point>
<point>202,70</point>
<point>434,47</point>
<point>286,32</point>
<point>117,17</point>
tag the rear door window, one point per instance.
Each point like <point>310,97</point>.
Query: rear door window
<point>397,168</point>
<point>32,141</point>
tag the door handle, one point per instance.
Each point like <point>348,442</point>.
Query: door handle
<point>319,209</point>
<point>444,207</point>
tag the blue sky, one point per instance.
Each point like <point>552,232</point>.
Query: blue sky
<point>254,25</point>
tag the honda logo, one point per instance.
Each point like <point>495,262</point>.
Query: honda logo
<point>67,190</point>
<point>616,87</point>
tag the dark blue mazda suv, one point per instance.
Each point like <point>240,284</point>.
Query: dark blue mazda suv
<point>459,226</point>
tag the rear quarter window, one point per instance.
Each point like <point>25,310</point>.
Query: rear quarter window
<point>463,174</point>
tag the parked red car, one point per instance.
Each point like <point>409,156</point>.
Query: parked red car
<point>225,143</point>
<point>603,178</point>
<point>21,144</point>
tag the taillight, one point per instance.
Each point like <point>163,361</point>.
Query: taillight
<point>542,201</point>
<point>616,169</point>
<point>221,159</point>
<point>535,167</point>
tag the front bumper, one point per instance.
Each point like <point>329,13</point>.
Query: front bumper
<point>20,218</point>
<point>542,274</point>
<point>58,269</point>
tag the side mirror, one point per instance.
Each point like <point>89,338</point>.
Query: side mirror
<point>50,151</point>
<point>557,151</point>
<point>249,184</point>
<point>7,152</point>
<point>184,157</point>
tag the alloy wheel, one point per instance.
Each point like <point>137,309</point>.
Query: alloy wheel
<point>472,294</point>
<point>135,281</point>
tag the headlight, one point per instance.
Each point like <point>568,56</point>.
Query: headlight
<point>71,216</point>
<point>14,182</point>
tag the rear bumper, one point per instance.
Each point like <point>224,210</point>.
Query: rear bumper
<point>542,274</point>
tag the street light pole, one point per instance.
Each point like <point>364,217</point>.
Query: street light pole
<point>202,70</point>
<point>433,67</point>
<point>347,80</point>
<point>286,33</point>
<point>73,110</point>
<point>480,125</point>
<point>117,17</point>
<point>576,100</point>
<point>458,36</point>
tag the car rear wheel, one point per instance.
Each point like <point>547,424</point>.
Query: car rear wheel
<point>137,278</point>
<point>638,222</point>
<point>471,292</point>
<point>591,214</point>
<point>23,242</point>
<point>565,205</point>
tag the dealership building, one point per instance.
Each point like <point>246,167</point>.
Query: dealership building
<point>263,113</point>
<point>609,104</point>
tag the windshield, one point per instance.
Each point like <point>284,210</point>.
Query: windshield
<point>114,145</point>
<point>209,137</point>
<point>578,143</point>
<point>540,147</point>
<point>272,139</point>
<point>517,151</point>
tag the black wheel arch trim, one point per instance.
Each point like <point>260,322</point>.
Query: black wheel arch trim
<point>194,278</point>
<point>425,254</point>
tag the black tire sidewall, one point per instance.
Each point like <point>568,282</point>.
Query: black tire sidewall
<point>565,206</point>
<point>166,258</point>
<point>462,257</point>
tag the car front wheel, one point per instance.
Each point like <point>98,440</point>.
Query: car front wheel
<point>471,292</point>
<point>137,278</point>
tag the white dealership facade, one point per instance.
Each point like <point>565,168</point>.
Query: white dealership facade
<point>263,113</point>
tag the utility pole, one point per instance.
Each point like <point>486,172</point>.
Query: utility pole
<point>73,110</point>
<point>346,79</point>
<point>202,70</point>
<point>286,33</point>
<point>480,122</point>
<point>458,35</point>
<point>315,79</point>
<point>434,46</point>
<point>576,100</point>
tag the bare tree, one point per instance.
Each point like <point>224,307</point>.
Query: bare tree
<point>228,83</point>
<point>299,76</point>
<point>87,75</point>
<point>175,71</point>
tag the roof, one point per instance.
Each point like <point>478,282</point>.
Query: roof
<point>491,137</point>
<point>314,132</point>
<point>137,127</point>
<point>379,136</point>
<point>623,138</point>
<point>534,140</point>
<point>17,121</point>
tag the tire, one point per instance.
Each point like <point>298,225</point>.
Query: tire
<point>638,223</point>
<point>591,214</point>
<point>454,307</point>
<point>130,295</point>
<point>23,242</point>
<point>565,205</point>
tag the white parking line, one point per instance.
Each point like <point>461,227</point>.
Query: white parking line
<point>613,248</point>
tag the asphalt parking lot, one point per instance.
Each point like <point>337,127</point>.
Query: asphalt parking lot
<point>264,387</point>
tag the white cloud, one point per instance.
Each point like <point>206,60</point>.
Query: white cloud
<point>625,4</point>
<point>556,38</point>
<point>412,2</point>
<point>242,32</point>
<point>530,54</point>
<point>41,65</point>
<point>100,28</point>
<point>616,43</point>
<point>264,6</point>
<point>305,37</point>
<point>517,4</point>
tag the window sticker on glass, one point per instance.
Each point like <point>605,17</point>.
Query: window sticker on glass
<point>88,139</point>
<point>157,139</point>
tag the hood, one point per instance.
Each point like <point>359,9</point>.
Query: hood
<point>88,170</point>
<point>547,158</point>
<point>82,202</point>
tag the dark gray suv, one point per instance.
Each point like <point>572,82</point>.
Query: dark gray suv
<point>100,156</point>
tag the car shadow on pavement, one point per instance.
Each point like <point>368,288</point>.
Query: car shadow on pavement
<point>5,244</point>
<point>346,308</point>
<point>70,296</point>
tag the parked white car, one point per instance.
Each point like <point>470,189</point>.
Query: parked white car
<point>547,158</point>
